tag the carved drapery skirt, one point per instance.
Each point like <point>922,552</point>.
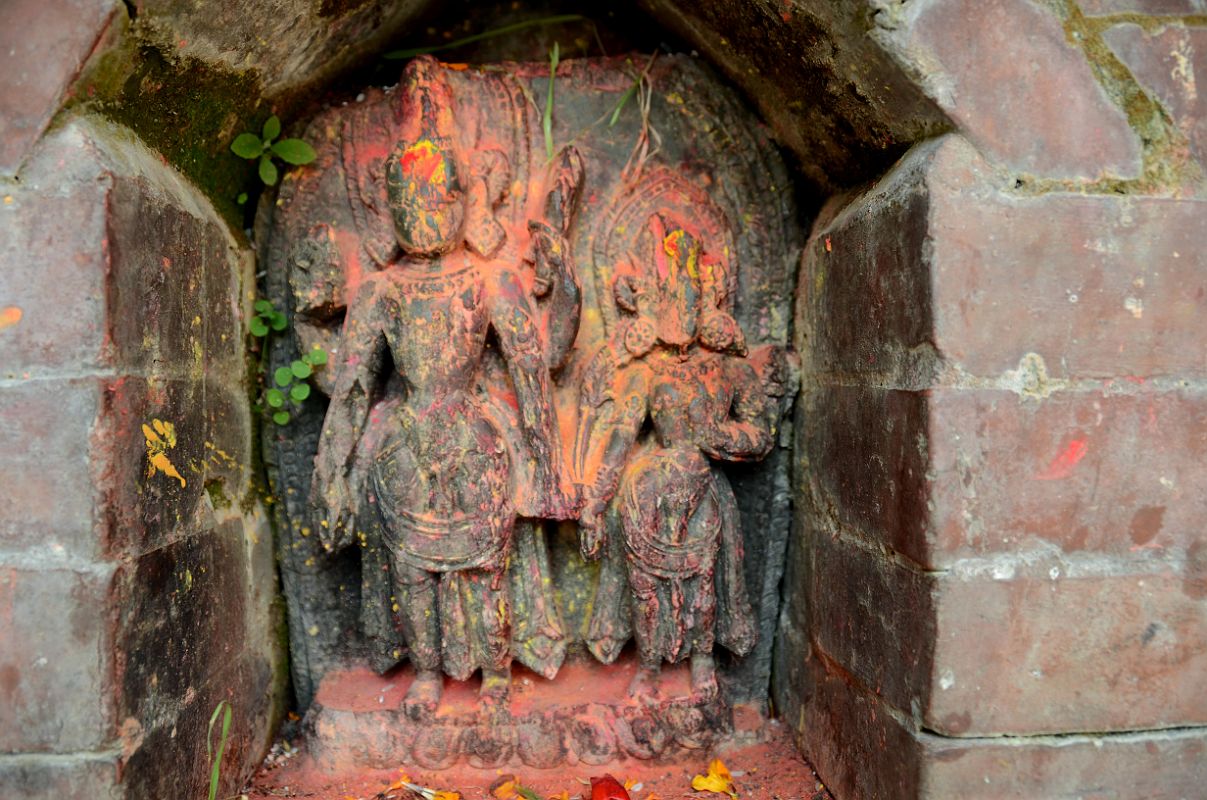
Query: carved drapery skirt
<point>672,530</point>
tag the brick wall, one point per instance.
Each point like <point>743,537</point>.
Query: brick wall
<point>134,595</point>
<point>998,580</point>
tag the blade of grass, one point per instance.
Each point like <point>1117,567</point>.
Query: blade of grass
<point>216,772</point>
<point>624,98</point>
<point>628,95</point>
<point>489,34</point>
<point>547,121</point>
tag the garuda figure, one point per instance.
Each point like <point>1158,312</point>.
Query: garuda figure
<point>434,461</point>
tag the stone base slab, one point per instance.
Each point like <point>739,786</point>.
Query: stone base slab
<point>583,716</point>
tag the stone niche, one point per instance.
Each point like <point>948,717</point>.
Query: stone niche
<point>584,217</point>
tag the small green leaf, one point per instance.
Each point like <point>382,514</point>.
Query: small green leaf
<point>268,170</point>
<point>281,417</point>
<point>300,369</point>
<point>247,145</point>
<point>262,306</point>
<point>294,151</point>
<point>283,376</point>
<point>274,398</point>
<point>241,198</point>
<point>258,328</point>
<point>299,392</point>
<point>272,128</point>
<point>317,357</point>
<point>278,321</point>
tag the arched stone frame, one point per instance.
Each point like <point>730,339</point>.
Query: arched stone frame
<point>1088,58</point>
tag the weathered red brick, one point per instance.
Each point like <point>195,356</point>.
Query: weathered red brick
<point>1017,644</point>
<point>42,47</point>
<point>1153,7</point>
<point>941,259</point>
<point>866,750</point>
<point>52,264</point>
<point>867,466</point>
<point>1029,101</point>
<point>1116,471</point>
<point>38,777</point>
<point>47,505</point>
<point>1057,646</point>
<point>56,664</point>
<point>1171,65</point>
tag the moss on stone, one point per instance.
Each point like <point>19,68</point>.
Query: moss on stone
<point>1166,165</point>
<point>185,109</point>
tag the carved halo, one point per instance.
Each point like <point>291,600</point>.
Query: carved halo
<point>616,248</point>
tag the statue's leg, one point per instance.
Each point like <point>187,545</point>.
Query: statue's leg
<point>492,601</point>
<point>704,613</point>
<point>647,612</point>
<point>415,592</point>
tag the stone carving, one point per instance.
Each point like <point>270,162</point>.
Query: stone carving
<point>433,457</point>
<point>540,368</point>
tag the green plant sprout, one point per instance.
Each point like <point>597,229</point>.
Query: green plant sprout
<point>265,147</point>
<point>266,317</point>
<point>489,34</point>
<point>291,385</point>
<point>223,708</point>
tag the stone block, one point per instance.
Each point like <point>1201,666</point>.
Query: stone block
<point>43,45</point>
<point>47,505</point>
<point>1171,64</point>
<point>1099,287</point>
<point>863,749</point>
<point>174,294</point>
<point>41,777</point>
<point>942,259</point>
<point>1116,472</point>
<point>1059,646</point>
<point>866,466</point>
<point>162,486</point>
<point>1147,7</point>
<point>872,109</point>
<point>284,43</point>
<point>56,664</point>
<point>108,259</point>
<point>197,604</point>
<point>875,617</point>
<point>969,57</point>
<point>1017,645</point>
<point>52,265</point>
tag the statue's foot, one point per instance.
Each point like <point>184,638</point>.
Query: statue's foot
<point>704,677</point>
<point>645,684</point>
<point>496,687</point>
<point>421,699</point>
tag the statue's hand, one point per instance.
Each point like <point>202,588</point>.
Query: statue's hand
<point>331,504</point>
<point>548,256</point>
<point>591,527</point>
<point>590,536</point>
